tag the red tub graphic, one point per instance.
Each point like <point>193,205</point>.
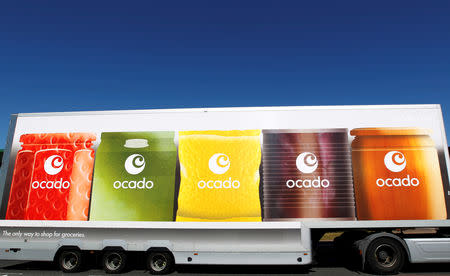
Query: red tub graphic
<point>52,177</point>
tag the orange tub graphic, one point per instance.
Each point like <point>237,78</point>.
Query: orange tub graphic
<point>396,175</point>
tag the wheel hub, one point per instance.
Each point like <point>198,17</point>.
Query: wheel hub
<point>386,255</point>
<point>70,261</point>
<point>158,262</point>
<point>113,261</point>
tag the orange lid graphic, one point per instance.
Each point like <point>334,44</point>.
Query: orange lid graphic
<point>374,131</point>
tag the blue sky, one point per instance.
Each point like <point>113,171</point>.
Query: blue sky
<point>102,55</point>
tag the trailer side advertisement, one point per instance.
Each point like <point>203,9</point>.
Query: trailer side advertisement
<point>108,169</point>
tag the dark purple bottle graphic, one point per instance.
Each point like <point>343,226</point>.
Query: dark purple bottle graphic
<point>307,174</point>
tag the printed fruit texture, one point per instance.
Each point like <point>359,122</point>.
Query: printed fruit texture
<point>396,175</point>
<point>134,177</point>
<point>50,184</point>
<point>219,175</point>
<point>79,194</point>
<point>46,181</point>
<point>18,196</point>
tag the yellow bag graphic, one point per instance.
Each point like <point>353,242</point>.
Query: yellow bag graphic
<point>219,175</point>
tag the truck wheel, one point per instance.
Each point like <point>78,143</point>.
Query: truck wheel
<point>159,263</point>
<point>70,261</point>
<point>114,262</point>
<point>385,256</point>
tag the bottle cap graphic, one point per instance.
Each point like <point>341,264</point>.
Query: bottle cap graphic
<point>136,143</point>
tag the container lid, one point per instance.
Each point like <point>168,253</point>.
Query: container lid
<point>319,130</point>
<point>57,138</point>
<point>136,143</point>
<point>374,131</point>
<point>149,135</point>
<point>225,133</point>
<point>151,140</point>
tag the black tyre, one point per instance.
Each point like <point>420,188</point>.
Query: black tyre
<point>385,256</point>
<point>114,262</point>
<point>70,261</point>
<point>159,263</point>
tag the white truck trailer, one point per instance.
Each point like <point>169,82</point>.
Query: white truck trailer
<point>226,186</point>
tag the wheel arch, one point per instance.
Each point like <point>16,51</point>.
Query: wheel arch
<point>113,248</point>
<point>65,248</point>
<point>160,249</point>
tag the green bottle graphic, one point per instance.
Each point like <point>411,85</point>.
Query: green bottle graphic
<point>134,177</point>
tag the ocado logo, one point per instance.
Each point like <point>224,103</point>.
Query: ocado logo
<point>135,164</point>
<point>219,163</point>
<point>307,162</point>
<point>395,161</point>
<point>53,165</point>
